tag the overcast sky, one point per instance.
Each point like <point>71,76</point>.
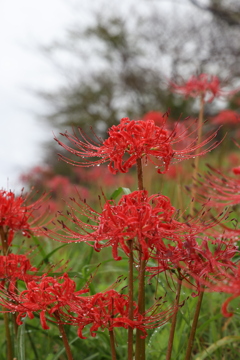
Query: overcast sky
<point>24,26</point>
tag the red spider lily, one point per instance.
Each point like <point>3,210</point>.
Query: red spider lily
<point>150,221</point>
<point>206,86</point>
<point>16,215</point>
<point>110,309</point>
<point>133,140</point>
<point>103,310</point>
<point>15,267</point>
<point>195,258</point>
<point>227,281</point>
<point>45,296</point>
<point>218,188</point>
<point>146,220</point>
<point>227,117</point>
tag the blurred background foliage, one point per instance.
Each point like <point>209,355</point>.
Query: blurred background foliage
<point>120,64</point>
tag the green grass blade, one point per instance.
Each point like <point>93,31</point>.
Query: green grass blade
<point>47,256</point>
<point>224,341</point>
<point>92,356</point>
<point>40,247</point>
<point>21,342</point>
<point>56,357</point>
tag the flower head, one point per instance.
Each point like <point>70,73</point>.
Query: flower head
<point>219,189</point>
<point>133,140</point>
<point>15,267</point>
<point>17,215</point>
<point>227,281</point>
<point>45,296</point>
<point>206,86</point>
<point>149,221</point>
<point>110,309</point>
<point>227,117</point>
<point>196,257</point>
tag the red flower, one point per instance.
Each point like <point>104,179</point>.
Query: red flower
<point>228,281</point>
<point>15,267</point>
<point>204,85</point>
<point>227,117</point>
<point>219,189</point>
<point>132,140</point>
<point>16,215</point>
<point>110,310</point>
<point>46,296</point>
<point>146,220</point>
<point>149,221</point>
<point>195,258</point>
<point>51,296</point>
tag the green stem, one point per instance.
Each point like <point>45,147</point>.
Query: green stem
<point>5,314</point>
<point>112,344</point>
<point>194,326</point>
<point>174,321</point>
<point>64,336</point>
<point>196,160</point>
<point>130,293</point>
<point>8,335</point>
<point>140,343</point>
<point>4,241</point>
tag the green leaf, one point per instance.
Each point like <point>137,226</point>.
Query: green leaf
<point>126,191</point>
<point>224,341</point>
<point>119,191</point>
<point>21,342</point>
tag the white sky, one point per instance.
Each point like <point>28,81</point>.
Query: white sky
<point>25,25</point>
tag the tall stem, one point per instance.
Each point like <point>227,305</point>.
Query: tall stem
<point>4,241</point>
<point>140,343</point>
<point>5,314</point>
<point>130,294</point>
<point>196,160</point>
<point>64,336</point>
<point>8,335</point>
<point>112,344</point>
<point>194,327</point>
<point>174,321</point>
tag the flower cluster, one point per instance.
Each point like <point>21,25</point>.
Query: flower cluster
<point>56,299</point>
